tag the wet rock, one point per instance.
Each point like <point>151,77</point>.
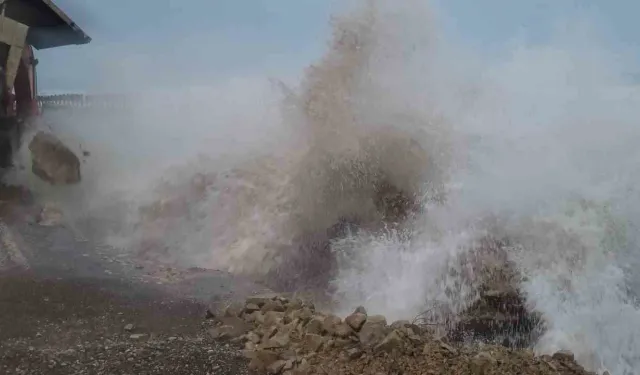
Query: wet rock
<point>305,314</point>
<point>250,346</point>
<point>564,355</point>
<point>341,343</point>
<point>303,368</point>
<point>447,349</point>
<point>356,320</point>
<point>415,339</point>
<point>250,308</point>
<point>276,367</point>
<point>392,342</point>
<point>343,330</point>
<point>253,337</point>
<point>52,161</point>
<point>272,318</point>
<point>289,365</point>
<point>315,326</point>
<point>373,330</point>
<point>50,215</point>
<point>261,360</point>
<point>312,342</point>
<point>272,305</point>
<point>267,332</point>
<point>296,304</point>
<point>354,353</point>
<point>400,324</point>
<point>234,309</point>
<point>280,340</point>
<point>330,324</point>
<point>210,313</point>
<point>261,300</point>
<point>231,327</point>
<point>289,354</point>
<point>255,316</point>
<point>481,363</point>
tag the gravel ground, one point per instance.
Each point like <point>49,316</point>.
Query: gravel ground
<point>70,306</point>
<point>172,355</point>
<point>84,326</point>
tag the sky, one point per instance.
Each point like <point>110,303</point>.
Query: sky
<point>168,43</point>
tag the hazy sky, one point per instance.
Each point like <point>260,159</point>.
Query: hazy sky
<point>169,42</point>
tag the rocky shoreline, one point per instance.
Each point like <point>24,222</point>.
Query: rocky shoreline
<point>289,336</point>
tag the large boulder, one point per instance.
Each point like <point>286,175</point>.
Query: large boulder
<point>500,314</point>
<point>52,161</point>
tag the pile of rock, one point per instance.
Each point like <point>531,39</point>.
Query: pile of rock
<point>288,336</point>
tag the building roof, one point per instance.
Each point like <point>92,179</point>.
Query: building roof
<point>48,25</point>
